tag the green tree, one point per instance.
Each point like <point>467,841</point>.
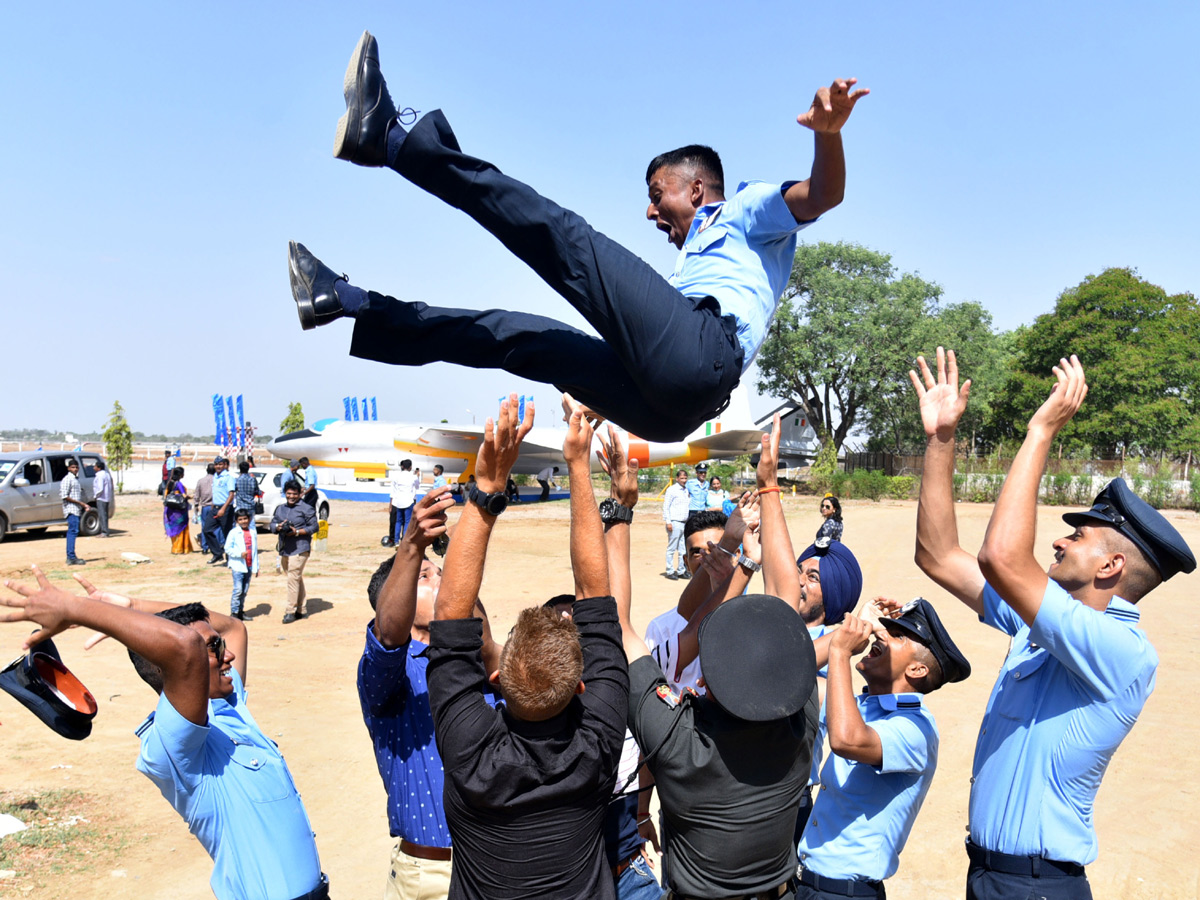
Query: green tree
<point>118,444</point>
<point>1141,350</point>
<point>846,333</point>
<point>294,420</point>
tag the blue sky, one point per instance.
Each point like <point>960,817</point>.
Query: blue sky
<point>158,157</point>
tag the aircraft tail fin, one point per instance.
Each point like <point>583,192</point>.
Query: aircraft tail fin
<point>731,433</point>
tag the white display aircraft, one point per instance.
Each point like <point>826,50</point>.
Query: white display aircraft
<point>353,458</point>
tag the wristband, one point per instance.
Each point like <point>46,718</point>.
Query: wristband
<point>642,822</point>
<point>770,490</point>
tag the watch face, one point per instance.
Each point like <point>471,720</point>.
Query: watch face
<point>607,507</point>
<point>496,504</point>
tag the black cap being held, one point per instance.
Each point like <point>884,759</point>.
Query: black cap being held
<point>46,687</point>
<point>1119,507</point>
<point>742,645</point>
<point>919,619</point>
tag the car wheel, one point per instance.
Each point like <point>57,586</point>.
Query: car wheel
<point>3,527</point>
<point>323,512</point>
<point>89,523</point>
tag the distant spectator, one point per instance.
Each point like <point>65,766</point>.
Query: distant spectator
<point>675,513</point>
<point>717,496</point>
<point>546,479</point>
<point>73,507</point>
<point>404,494</point>
<point>202,498</point>
<point>697,489</point>
<point>166,472</point>
<point>831,528</point>
<point>175,513</point>
<point>102,493</point>
<point>511,492</point>
<point>245,490</point>
<point>295,522</point>
<point>439,479</point>
<point>222,505</point>
<point>310,482</point>
<point>241,549</point>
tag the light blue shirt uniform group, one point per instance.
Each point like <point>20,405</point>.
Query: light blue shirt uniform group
<point>222,486</point>
<point>740,252</point>
<point>697,491</point>
<point>863,814</point>
<point>230,784</point>
<point>1071,688</point>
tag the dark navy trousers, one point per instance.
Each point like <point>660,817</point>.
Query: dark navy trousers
<point>664,363</point>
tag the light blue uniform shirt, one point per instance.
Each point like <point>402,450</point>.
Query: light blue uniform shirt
<point>310,477</point>
<point>439,481</point>
<point>818,750</point>
<point>1070,690</point>
<point>740,252</point>
<point>863,813</point>
<point>221,487</point>
<point>230,784</point>
<point>697,494</point>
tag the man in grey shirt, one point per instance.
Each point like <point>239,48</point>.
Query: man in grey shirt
<point>295,522</point>
<point>202,497</point>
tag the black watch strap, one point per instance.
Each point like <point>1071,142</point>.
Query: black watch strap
<point>612,512</point>
<point>492,504</point>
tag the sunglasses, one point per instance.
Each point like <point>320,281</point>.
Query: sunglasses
<point>217,646</point>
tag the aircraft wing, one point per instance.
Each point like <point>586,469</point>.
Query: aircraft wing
<point>536,451</point>
<point>725,444</point>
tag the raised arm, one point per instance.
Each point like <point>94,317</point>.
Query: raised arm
<point>178,650</point>
<point>396,606</point>
<point>463,573</point>
<point>849,736</point>
<point>1007,557</point>
<point>825,187</point>
<point>589,562</point>
<point>939,554</point>
<point>698,590</point>
<point>781,578</point>
<point>623,472</point>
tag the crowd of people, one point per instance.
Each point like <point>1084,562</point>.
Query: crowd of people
<point>524,766</point>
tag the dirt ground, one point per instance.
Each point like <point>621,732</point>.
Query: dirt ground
<point>302,690</point>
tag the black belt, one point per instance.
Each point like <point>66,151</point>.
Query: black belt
<point>320,892</point>
<point>847,887</point>
<point>1028,866</point>
<point>769,894</point>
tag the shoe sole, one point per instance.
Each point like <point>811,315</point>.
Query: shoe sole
<point>301,290</point>
<point>345,142</point>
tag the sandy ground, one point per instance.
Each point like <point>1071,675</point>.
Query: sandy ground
<point>302,684</point>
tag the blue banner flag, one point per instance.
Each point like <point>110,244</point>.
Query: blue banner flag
<point>218,419</point>
<point>346,408</point>
<point>353,409</point>
<point>230,424</point>
<point>241,422</point>
<point>374,412</point>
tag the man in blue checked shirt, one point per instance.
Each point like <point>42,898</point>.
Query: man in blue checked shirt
<point>395,705</point>
<point>1079,669</point>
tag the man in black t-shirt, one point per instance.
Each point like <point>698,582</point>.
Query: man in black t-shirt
<point>527,784</point>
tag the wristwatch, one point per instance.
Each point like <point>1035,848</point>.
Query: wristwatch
<point>612,512</point>
<point>749,565</point>
<point>492,504</point>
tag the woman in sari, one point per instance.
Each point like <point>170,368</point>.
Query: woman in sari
<point>175,513</point>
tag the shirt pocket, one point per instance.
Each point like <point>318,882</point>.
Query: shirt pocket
<point>258,774</point>
<point>710,239</point>
<point>1021,690</point>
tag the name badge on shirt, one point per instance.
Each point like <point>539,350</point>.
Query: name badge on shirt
<point>712,217</point>
<point>672,698</point>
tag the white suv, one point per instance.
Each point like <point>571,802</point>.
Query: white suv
<point>270,482</point>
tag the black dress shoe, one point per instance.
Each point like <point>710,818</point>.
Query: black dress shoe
<point>362,131</point>
<point>289,619</point>
<point>313,282</point>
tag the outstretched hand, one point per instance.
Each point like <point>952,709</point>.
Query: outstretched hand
<point>429,518</point>
<point>619,467</point>
<point>577,446</point>
<point>831,106</point>
<point>767,473</point>
<point>111,597</point>
<point>942,401</point>
<point>1065,398</point>
<point>45,605</point>
<point>501,443</point>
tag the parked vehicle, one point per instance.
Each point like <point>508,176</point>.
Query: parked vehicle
<point>270,482</point>
<point>29,490</point>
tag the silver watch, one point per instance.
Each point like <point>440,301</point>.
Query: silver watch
<point>749,565</point>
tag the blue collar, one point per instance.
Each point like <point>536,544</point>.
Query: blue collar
<point>892,702</point>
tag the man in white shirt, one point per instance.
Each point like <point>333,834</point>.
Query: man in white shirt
<point>675,513</point>
<point>102,494</point>
<point>546,479</point>
<point>404,495</point>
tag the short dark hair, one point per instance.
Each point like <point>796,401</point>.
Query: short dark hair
<point>98,465</point>
<point>437,467</point>
<point>375,585</point>
<point>704,520</point>
<point>405,465</point>
<point>243,467</point>
<point>72,462</point>
<point>293,485</point>
<point>210,469</point>
<point>304,461</point>
<point>167,454</point>
<point>183,615</point>
<point>694,156</point>
<point>682,472</point>
<point>177,473</point>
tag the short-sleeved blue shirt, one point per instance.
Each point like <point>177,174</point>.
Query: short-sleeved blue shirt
<point>230,784</point>
<point>395,707</point>
<point>740,252</point>
<point>697,494</point>
<point>222,486</point>
<point>1070,689</point>
<point>862,815</point>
